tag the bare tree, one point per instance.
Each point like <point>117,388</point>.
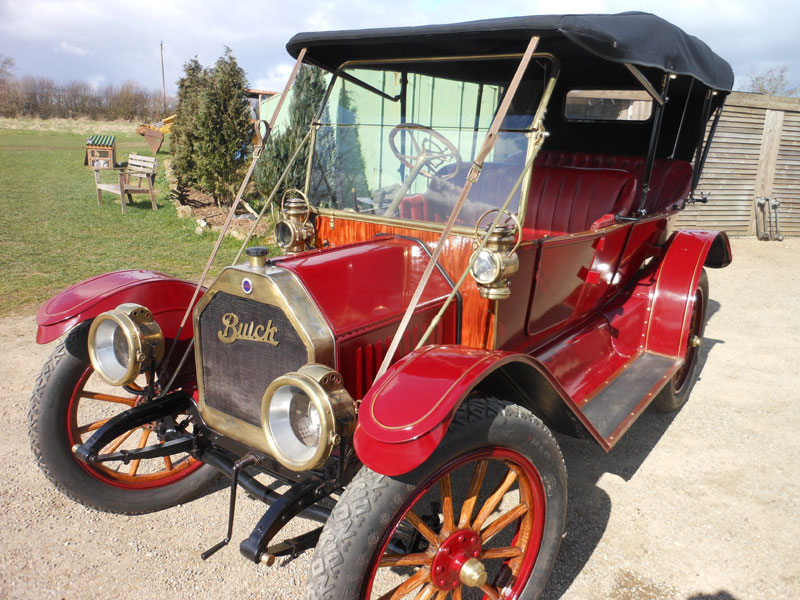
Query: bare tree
<point>6,66</point>
<point>44,98</point>
<point>772,81</point>
<point>10,101</point>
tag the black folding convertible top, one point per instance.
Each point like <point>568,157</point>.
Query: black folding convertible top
<point>638,38</point>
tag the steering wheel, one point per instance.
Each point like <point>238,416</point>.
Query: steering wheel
<point>429,150</point>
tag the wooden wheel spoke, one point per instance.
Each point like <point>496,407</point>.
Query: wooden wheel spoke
<point>449,525</point>
<point>426,593</point>
<point>457,594</point>
<point>418,559</point>
<point>408,585</point>
<point>108,398</point>
<point>420,526</point>
<point>509,552</point>
<point>168,463</point>
<point>441,595</point>
<point>490,591</point>
<point>492,501</point>
<point>92,426</point>
<point>118,442</point>
<point>142,444</point>
<point>502,522</point>
<point>472,495</point>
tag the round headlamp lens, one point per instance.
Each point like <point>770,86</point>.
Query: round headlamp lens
<point>295,423</point>
<point>122,340</point>
<point>122,350</point>
<point>113,350</point>
<point>304,420</point>
<point>486,268</point>
<point>284,234</point>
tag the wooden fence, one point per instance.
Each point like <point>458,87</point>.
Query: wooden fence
<point>756,153</point>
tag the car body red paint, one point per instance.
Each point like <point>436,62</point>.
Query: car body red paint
<point>166,296</point>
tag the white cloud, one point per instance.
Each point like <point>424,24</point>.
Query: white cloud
<point>67,48</point>
<point>96,80</point>
<point>275,78</point>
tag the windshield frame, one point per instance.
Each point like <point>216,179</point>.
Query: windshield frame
<point>537,124</point>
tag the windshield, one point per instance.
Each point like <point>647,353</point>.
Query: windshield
<point>397,141</point>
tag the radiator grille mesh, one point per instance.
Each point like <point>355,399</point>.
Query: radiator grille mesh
<point>236,375</point>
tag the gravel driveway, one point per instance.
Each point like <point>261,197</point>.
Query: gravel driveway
<point>700,504</point>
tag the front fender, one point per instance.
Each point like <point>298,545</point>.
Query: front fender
<point>165,296</point>
<point>406,413</point>
<point>677,277</point>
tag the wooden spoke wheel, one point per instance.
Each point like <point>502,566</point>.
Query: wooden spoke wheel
<point>480,540</point>
<point>68,404</point>
<point>90,407</point>
<point>483,517</point>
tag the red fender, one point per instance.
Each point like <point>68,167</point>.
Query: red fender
<point>677,277</point>
<point>406,413</point>
<point>165,296</point>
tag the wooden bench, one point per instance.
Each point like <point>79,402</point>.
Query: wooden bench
<point>137,178</point>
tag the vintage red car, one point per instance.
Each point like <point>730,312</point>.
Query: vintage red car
<point>481,254</point>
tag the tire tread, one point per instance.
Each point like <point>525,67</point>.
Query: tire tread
<point>365,492</point>
<point>61,469</point>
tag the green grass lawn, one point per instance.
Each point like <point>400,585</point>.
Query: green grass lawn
<point>53,233</point>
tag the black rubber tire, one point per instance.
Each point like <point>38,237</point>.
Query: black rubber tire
<point>47,430</point>
<point>352,536</point>
<point>674,394</point>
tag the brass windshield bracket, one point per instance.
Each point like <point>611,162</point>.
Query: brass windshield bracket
<point>474,172</point>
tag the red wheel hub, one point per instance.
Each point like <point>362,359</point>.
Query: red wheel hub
<point>461,546</point>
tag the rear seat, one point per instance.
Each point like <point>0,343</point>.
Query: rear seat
<point>570,190</point>
<point>670,180</point>
<point>565,200</point>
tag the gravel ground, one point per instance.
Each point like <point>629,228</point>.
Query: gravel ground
<point>699,504</point>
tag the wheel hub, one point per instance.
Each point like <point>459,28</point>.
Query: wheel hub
<point>457,561</point>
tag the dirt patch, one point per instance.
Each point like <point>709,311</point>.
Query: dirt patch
<point>698,504</point>
<point>206,213</point>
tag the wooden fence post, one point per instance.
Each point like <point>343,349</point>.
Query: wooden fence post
<point>767,160</point>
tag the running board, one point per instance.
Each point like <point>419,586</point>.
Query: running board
<point>614,408</point>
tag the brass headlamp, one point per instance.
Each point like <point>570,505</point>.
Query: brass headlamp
<point>305,414</point>
<point>122,341</point>
<point>497,261</point>
<point>294,230</point>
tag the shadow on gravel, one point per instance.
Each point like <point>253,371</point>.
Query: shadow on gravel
<point>713,307</point>
<point>222,483</point>
<point>589,506</point>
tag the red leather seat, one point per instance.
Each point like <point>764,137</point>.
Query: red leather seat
<point>669,182</point>
<point>416,208</point>
<point>566,200</point>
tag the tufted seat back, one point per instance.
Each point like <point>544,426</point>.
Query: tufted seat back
<point>566,200</point>
<point>670,180</point>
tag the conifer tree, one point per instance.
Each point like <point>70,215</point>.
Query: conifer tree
<point>349,162</point>
<point>225,130</point>
<point>307,92</point>
<point>185,137</point>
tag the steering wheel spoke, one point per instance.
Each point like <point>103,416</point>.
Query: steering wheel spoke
<point>430,150</point>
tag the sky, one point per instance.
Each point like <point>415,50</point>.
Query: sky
<point>110,42</point>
